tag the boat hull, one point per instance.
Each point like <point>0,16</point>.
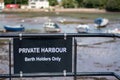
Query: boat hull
<point>9,28</point>
<point>51,27</point>
<point>82,28</point>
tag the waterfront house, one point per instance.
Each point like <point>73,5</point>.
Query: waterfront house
<point>38,4</point>
<point>1,4</point>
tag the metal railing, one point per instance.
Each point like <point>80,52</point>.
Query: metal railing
<point>44,35</point>
<point>61,35</point>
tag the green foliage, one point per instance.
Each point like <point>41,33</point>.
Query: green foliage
<point>79,3</point>
<point>53,2</point>
<point>8,1</point>
<point>24,1</point>
<point>16,1</point>
<point>94,3</point>
<point>69,3</point>
<point>113,5</point>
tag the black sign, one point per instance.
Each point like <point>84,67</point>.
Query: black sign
<point>34,55</point>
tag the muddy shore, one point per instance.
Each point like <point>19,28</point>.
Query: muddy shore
<point>87,10</point>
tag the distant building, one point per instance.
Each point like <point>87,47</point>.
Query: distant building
<point>2,4</point>
<point>38,4</point>
<point>12,6</point>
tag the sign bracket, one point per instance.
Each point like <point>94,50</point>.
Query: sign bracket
<point>65,36</point>
<point>20,36</point>
<point>64,73</point>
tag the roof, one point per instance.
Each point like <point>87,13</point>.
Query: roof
<point>1,0</point>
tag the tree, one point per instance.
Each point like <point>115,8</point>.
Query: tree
<point>8,1</point>
<point>69,3</point>
<point>53,2</point>
<point>79,3</point>
<point>102,3</point>
<point>24,1</point>
<point>113,5</point>
<point>16,1</point>
<point>94,3</point>
<point>88,3</point>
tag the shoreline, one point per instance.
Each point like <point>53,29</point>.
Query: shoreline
<point>81,10</point>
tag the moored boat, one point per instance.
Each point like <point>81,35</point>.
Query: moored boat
<point>114,31</point>
<point>82,28</point>
<point>14,28</point>
<point>101,22</point>
<point>51,27</point>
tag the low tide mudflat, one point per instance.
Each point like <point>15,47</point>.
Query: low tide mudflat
<point>93,54</point>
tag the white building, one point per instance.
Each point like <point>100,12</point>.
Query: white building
<point>2,4</point>
<point>38,4</point>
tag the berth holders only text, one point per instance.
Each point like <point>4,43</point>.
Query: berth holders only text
<point>43,59</point>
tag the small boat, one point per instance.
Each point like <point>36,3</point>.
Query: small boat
<point>51,27</point>
<point>115,31</point>
<point>14,28</point>
<point>101,22</point>
<point>82,28</point>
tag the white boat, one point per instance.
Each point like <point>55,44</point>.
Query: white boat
<point>115,31</point>
<point>51,27</point>
<point>82,28</point>
<point>101,22</point>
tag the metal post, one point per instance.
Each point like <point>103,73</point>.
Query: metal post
<point>117,76</point>
<point>10,58</point>
<point>75,59</point>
